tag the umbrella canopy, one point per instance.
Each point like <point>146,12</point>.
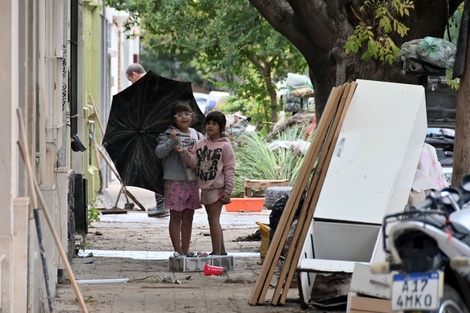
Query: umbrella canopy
<point>138,115</point>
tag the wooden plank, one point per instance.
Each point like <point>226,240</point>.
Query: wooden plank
<point>306,278</point>
<point>273,253</point>
<point>279,238</point>
<point>314,189</point>
<point>252,183</point>
<point>302,232</point>
<point>262,184</point>
<point>297,247</point>
<point>326,266</point>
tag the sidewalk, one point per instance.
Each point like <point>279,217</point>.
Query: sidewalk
<point>132,250</point>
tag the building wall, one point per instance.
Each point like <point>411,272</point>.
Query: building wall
<point>9,159</point>
<point>34,90</point>
<point>121,50</point>
<point>91,84</point>
<point>112,55</point>
<point>38,85</point>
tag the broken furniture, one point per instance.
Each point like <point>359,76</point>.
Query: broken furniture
<point>262,184</point>
<point>311,176</point>
<point>369,176</point>
<point>372,187</point>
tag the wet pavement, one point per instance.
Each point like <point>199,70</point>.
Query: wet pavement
<point>124,267</point>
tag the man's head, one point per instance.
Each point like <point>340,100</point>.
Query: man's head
<point>134,72</point>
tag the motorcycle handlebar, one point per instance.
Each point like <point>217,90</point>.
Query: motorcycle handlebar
<point>425,204</point>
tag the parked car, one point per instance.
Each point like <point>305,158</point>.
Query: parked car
<point>201,100</point>
<point>441,106</point>
<point>238,124</point>
<point>442,139</point>
<point>216,98</point>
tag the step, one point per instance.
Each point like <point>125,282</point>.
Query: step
<point>196,264</point>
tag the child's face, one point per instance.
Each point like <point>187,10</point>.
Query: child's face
<point>212,129</point>
<point>183,120</point>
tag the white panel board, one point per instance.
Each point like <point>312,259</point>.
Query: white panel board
<point>370,151</point>
<point>343,241</point>
<point>366,283</point>
<point>370,174</point>
<point>306,278</point>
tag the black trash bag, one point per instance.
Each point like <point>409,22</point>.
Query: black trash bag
<point>276,212</point>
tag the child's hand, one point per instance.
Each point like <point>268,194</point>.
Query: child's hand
<point>226,198</point>
<point>178,148</point>
<point>174,134</point>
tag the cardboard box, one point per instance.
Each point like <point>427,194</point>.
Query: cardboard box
<point>362,304</point>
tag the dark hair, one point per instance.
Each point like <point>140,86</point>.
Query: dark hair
<point>217,117</point>
<point>182,106</point>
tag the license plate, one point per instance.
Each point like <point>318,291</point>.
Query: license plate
<point>416,291</point>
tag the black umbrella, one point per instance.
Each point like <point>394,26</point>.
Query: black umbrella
<point>138,115</point>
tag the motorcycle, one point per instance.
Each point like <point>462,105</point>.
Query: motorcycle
<point>429,249</point>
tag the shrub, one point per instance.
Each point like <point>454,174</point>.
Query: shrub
<point>257,160</point>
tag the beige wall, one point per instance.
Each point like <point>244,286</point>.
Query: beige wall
<point>32,79</point>
<point>14,222</point>
<point>31,70</point>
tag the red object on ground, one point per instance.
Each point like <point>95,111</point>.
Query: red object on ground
<point>213,270</point>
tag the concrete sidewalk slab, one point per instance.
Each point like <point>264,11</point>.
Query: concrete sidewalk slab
<point>151,286</point>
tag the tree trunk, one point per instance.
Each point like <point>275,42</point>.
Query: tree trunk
<point>272,98</point>
<point>320,28</point>
<point>461,164</point>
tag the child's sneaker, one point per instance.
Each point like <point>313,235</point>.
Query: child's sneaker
<point>177,255</point>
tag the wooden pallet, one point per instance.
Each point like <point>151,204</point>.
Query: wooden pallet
<point>250,184</point>
<point>309,181</point>
<point>298,239</point>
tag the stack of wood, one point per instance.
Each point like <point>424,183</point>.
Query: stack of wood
<point>310,179</point>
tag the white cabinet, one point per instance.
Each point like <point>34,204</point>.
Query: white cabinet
<point>371,170</point>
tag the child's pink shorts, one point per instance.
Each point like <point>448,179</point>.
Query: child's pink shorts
<point>181,195</point>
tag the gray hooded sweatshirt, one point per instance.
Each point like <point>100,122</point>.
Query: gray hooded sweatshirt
<point>174,167</point>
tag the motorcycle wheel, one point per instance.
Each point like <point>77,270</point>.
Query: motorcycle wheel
<point>450,303</point>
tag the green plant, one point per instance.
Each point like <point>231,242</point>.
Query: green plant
<point>83,245</point>
<point>257,160</point>
<point>93,213</point>
<point>378,21</point>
